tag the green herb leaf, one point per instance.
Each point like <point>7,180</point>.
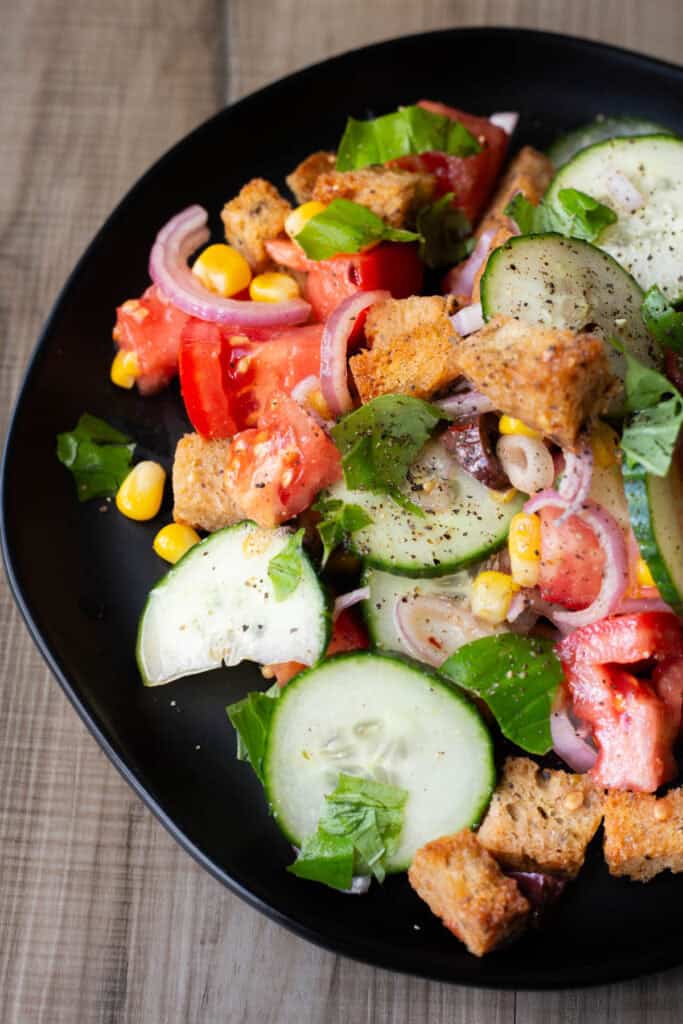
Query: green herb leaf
<point>251,720</point>
<point>339,522</point>
<point>97,455</point>
<point>347,227</point>
<point>663,321</point>
<point>650,437</point>
<point>409,130</point>
<point>287,568</point>
<point>644,386</point>
<point>444,231</point>
<point>358,831</point>
<point>517,677</point>
<point>577,216</point>
<point>379,442</point>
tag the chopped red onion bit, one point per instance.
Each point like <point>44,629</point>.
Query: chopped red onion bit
<point>334,371</point>
<point>624,192</point>
<point>348,600</point>
<point>468,319</point>
<point>462,277</point>
<point>507,120</point>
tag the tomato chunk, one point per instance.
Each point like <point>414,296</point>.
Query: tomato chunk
<point>471,178</point>
<point>572,561</point>
<point>151,326</point>
<point>625,640</point>
<point>632,727</point>
<point>348,634</point>
<point>227,378</point>
<point>275,471</point>
<point>667,680</point>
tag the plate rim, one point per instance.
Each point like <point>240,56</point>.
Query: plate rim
<point>576,977</point>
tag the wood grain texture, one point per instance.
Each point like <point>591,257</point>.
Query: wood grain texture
<point>102,917</point>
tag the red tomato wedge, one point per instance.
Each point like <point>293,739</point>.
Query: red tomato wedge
<point>632,727</point>
<point>151,327</point>
<point>471,178</point>
<point>275,471</point>
<point>667,680</point>
<point>572,561</point>
<point>226,379</point>
<point>625,640</point>
<point>347,635</point>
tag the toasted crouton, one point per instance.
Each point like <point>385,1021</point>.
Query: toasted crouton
<point>394,195</point>
<point>463,885</point>
<point>303,178</point>
<point>200,496</point>
<point>253,217</point>
<point>530,173</point>
<point>541,820</point>
<point>643,835</point>
<point>551,379</point>
<point>412,350</point>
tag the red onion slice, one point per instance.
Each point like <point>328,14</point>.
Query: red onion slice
<point>300,393</point>
<point>465,405</point>
<point>574,750</point>
<point>577,475</point>
<point>168,268</point>
<point>527,462</point>
<point>629,605</point>
<point>461,278</point>
<point>333,349</point>
<point>624,192</point>
<point>348,600</point>
<point>507,120</point>
<point>432,628</point>
<point>468,319</point>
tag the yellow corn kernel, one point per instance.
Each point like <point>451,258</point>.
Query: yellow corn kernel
<point>174,541</point>
<point>643,574</point>
<point>299,218</point>
<point>511,425</point>
<point>504,497</point>
<point>141,493</point>
<point>605,445</point>
<point>524,547</point>
<point>222,270</point>
<point>272,287</point>
<point>125,369</point>
<point>316,401</point>
<point>491,596</point>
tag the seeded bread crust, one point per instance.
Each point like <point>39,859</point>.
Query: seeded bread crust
<point>464,886</point>
<point>541,820</point>
<point>643,834</point>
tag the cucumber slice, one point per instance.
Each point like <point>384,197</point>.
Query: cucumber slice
<point>567,146</point>
<point>461,523</point>
<point>568,283</point>
<point>217,605</point>
<point>454,629</point>
<point>656,508</point>
<point>369,715</point>
<point>649,242</point>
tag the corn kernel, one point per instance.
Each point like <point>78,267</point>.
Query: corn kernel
<point>317,402</point>
<point>271,287</point>
<point>222,270</point>
<point>605,445</point>
<point>643,574</point>
<point>504,497</point>
<point>491,596</point>
<point>299,218</point>
<point>174,541</point>
<point>141,493</point>
<point>125,369</point>
<point>511,425</point>
<point>524,547</point>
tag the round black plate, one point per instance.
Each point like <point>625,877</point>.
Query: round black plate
<point>80,573</point>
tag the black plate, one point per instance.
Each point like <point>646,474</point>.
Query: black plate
<point>80,574</point>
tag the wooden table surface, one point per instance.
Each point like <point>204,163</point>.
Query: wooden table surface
<point>103,918</point>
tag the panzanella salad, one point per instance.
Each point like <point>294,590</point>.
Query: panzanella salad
<point>435,455</point>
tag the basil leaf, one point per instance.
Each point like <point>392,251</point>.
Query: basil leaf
<point>517,677</point>
<point>379,442</point>
<point>339,522</point>
<point>251,720</point>
<point>651,436</point>
<point>409,130</point>
<point>97,455</point>
<point>444,231</point>
<point>644,386</point>
<point>347,227</point>
<point>358,831</point>
<point>663,321</point>
<point>588,218</point>
<point>286,568</point>
<point>578,215</point>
